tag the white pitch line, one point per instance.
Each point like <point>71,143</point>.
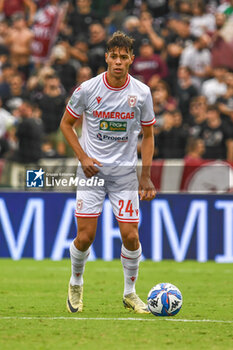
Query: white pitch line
<point>109,319</point>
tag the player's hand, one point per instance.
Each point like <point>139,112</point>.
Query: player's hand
<point>89,167</point>
<point>147,189</point>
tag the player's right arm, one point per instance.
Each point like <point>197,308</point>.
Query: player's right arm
<point>67,128</point>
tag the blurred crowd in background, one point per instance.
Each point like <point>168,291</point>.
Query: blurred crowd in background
<point>183,52</point>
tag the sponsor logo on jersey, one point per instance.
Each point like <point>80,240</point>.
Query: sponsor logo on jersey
<point>99,136</point>
<point>132,100</point>
<point>103,137</point>
<point>103,125</point>
<point>113,115</point>
<point>112,125</point>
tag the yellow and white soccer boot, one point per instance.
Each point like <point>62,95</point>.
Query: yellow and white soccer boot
<point>75,299</point>
<point>132,301</point>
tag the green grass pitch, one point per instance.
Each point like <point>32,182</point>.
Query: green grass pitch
<point>33,312</point>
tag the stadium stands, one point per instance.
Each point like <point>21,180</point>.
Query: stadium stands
<point>45,46</point>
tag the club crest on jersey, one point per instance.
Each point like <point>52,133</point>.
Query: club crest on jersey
<point>132,100</point>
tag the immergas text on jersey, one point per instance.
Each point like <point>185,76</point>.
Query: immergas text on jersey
<point>113,115</point>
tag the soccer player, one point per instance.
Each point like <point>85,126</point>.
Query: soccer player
<point>115,107</point>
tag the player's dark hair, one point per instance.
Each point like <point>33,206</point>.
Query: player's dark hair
<point>121,40</point>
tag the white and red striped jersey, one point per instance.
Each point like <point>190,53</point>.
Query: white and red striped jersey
<point>112,118</point>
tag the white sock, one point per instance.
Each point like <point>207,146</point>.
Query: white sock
<point>130,261</point>
<point>78,261</point>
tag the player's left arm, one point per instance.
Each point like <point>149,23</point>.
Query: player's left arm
<point>146,187</point>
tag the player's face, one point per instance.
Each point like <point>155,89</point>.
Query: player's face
<point>119,61</point>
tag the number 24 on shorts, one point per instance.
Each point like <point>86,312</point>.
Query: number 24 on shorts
<point>128,208</point>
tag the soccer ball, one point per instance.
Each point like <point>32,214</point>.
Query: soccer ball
<point>164,299</point>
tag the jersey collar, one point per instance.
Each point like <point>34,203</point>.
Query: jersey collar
<point>115,88</point>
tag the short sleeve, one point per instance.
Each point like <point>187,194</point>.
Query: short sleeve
<point>147,116</point>
<point>76,104</point>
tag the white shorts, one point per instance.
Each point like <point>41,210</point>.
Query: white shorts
<point>122,192</point>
